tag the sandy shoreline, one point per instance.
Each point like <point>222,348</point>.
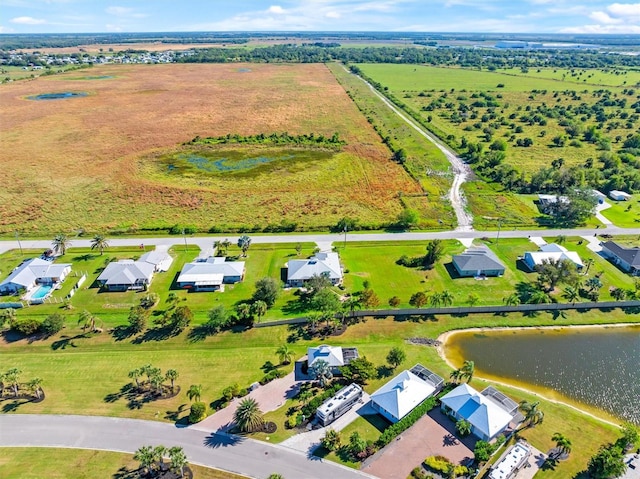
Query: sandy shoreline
<point>444,337</point>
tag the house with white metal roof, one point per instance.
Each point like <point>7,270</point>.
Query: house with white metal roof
<point>551,251</point>
<point>126,274</point>
<point>33,272</point>
<point>619,195</point>
<point>488,418</point>
<point>322,264</point>
<point>161,260</point>
<point>403,393</point>
<point>335,356</point>
<point>210,274</point>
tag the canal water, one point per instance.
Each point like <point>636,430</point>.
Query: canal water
<point>597,367</point>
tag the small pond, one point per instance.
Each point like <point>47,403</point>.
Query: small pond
<point>597,367</point>
<point>58,95</point>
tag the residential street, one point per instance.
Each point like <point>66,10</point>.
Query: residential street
<point>245,456</point>
<point>206,242</point>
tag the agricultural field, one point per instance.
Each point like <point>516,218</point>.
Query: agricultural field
<point>533,119</point>
<point>96,162</point>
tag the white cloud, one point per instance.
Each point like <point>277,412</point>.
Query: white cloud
<point>603,17</point>
<point>332,14</point>
<point>124,12</point>
<point>615,18</point>
<point>28,21</point>
<point>631,10</point>
<point>602,29</point>
<point>277,9</point>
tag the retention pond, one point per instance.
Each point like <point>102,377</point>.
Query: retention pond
<point>596,367</point>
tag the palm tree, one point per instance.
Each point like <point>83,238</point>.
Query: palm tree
<point>463,427</point>
<point>588,262</point>
<point>100,243</point>
<point>194,392</point>
<point>171,375</point>
<point>146,458</point>
<point>157,379</point>
<point>259,308</point>
<point>178,459</point>
<point>539,297</point>
<point>446,298</point>
<point>158,455</point>
<point>321,371</point>
<point>2,377</point>
<point>467,370</point>
<point>243,243</point>
<point>563,444</point>
<point>284,353</point>
<point>593,284</point>
<point>244,311</point>
<point>226,244</point>
<point>87,320</point>
<point>512,300</point>
<point>248,416</point>
<point>435,299</point>
<point>135,374</point>
<point>34,386</point>
<point>571,294</point>
<point>532,415</point>
<point>560,239</point>
<point>12,377</point>
<point>473,299</point>
<point>456,376</point>
<point>60,244</point>
<point>351,304</point>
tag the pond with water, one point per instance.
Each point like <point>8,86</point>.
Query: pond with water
<point>597,367</point>
<point>58,95</point>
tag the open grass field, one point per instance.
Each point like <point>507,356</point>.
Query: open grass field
<point>444,90</point>
<point>624,213</point>
<point>86,162</point>
<point>38,462</point>
<point>609,77</point>
<point>86,375</point>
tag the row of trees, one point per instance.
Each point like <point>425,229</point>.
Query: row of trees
<point>11,379</point>
<point>152,459</point>
<point>154,378</point>
<point>278,139</point>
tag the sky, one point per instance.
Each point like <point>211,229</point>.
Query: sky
<point>501,16</point>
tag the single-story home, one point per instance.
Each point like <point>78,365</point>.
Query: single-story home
<point>161,260</point>
<point>403,393</point>
<point>545,202</point>
<point>210,274</point>
<point>551,251</point>
<point>619,195</point>
<point>322,264</point>
<point>33,272</point>
<point>488,417</point>
<point>478,261</point>
<point>335,356</point>
<point>626,258</point>
<point>126,274</point>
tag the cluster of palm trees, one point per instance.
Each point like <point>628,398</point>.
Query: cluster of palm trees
<point>61,242</point>
<point>435,300</point>
<point>11,379</point>
<point>152,459</point>
<point>532,413</point>
<point>154,378</point>
<point>464,373</point>
<point>221,247</point>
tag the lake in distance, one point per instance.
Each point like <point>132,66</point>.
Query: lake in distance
<point>598,367</point>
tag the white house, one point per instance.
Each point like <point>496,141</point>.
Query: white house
<point>322,264</point>
<point>619,195</point>
<point>210,274</point>
<point>161,260</point>
<point>126,274</point>
<point>403,393</point>
<point>33,272</point>
<point>487,417</point>
<point>335,356</point>
<point>600,195</point>
<point>551,251</point>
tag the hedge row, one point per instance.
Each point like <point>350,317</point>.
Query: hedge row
<point>406,422</point>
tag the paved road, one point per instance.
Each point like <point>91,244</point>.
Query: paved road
<point>206,242</point>
<point>461,170</point>
<point>248,457</point>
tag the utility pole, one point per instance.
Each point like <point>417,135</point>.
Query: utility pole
<point>345,237</point>
<point>185,240</point>
<point>19,244</point>
<point>499,227</point>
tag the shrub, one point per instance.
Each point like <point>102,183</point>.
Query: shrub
<point>148,301</point>
<point>310,408</point>
<point>271,375</point>
<point>406,422</point>
<point>138,316</point>
<point>52,324</point>
<point>439,464</point>
<point>198,412</point>
<point>26,326</point>
<point>231,391</point>
<point>484,450</point>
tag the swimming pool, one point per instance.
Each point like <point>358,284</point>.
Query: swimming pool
<point>42,292</point>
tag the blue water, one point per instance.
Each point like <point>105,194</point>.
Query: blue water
<point>57,96</point>
<point>227,164</point>
<point>42,292</point>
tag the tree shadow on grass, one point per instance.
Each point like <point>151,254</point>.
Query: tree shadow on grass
<point>135,397</point>
<point>298,332</point>
<point>14,404</point>
<point>67,341</point>
<point>156,334</point>
<point>120,333</point>
<point>126,473</point>
<point>198,333</point>
<point>549,464</point>
<point>384,371</point>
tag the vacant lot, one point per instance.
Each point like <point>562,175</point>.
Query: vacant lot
<point>84,162</point>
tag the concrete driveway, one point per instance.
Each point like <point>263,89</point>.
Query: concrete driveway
<point>430,436</point>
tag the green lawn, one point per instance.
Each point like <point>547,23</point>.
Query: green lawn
<point>624,213</point>
<point>38,462</point>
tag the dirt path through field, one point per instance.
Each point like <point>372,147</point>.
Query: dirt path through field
<point>461,170</point>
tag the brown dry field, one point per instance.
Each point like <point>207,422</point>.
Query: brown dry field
<point>76,163</point>
<point>120,47</point>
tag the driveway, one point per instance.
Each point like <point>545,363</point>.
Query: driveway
<point>270,397</point>
<point>239,455</point>
<point>432,435</point>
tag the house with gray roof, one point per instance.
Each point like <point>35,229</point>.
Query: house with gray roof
<point>478,261</point>
<point>126,274</point>
<point>161,260</point>
<point>626,258</point>
<point>33,272</point>
<point>322,264</point>
<point>210,274</point>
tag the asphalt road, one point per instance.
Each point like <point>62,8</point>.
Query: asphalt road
<point>206,242</point>
<point>245,456</point>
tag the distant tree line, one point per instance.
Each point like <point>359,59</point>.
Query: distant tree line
<point>333,142</point>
